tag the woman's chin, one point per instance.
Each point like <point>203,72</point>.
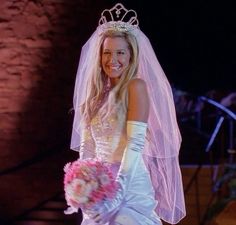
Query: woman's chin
<point>114,75</point>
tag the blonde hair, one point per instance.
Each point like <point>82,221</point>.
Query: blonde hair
<point>98,79</point>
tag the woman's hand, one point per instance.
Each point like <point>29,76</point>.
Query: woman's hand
<point>107,208</point>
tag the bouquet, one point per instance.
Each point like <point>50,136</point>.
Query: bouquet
<point>87,183</point>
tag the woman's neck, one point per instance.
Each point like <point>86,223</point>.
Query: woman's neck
<point>114,81</point>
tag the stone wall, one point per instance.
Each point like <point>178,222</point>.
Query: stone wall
<point>40,44</point>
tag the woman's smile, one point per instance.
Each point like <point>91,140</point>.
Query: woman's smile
<point>115,56</point>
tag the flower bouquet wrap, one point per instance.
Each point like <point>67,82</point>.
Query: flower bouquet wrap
<point>87,183</point>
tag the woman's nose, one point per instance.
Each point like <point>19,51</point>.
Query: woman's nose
<point>113,58</point>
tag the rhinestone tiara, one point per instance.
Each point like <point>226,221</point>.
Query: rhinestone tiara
<point>118,18</point>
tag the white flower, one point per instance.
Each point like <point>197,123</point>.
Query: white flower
<point>70,210</point>
<point>78,190</point>
<point>82,199</point>
<point>104,179</point>
<point>93,184</point>
<point>66,167</point>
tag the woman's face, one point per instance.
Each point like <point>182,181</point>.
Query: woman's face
<point>115,57</point>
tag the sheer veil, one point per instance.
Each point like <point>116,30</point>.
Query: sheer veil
<point>163,140</point>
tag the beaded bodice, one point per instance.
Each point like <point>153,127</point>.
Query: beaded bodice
<point>109,135</point>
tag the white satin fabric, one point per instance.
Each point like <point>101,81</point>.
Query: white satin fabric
<point>138,205</point>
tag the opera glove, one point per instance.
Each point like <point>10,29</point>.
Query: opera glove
<point>136,132</point>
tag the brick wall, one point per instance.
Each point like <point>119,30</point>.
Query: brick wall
<point>40,43</point>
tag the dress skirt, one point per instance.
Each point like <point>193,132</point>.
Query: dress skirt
<point>138,205</point>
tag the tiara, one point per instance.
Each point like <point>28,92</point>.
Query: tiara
<point>118,18</point>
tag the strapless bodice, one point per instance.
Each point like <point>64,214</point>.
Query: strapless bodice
<point>109,135</point>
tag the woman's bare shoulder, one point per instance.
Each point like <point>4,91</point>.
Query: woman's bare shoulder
<point>136,84</point>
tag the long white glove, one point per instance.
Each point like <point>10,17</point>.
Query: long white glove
<point>136,132</point>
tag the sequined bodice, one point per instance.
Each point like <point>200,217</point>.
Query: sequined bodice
<point>110,136</point>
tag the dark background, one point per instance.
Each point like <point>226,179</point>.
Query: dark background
<point>40,45</point>
<point>194,41</point>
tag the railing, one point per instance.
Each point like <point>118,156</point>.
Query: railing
<point>223,116</point>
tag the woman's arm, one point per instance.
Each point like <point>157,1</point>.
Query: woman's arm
<point>138,101</point>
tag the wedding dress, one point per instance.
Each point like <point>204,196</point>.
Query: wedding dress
<point>106,140</point>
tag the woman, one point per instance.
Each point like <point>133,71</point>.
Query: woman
<point>125,116</point>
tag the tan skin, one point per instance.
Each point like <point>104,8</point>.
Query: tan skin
<point>138,101</point>
<point>115,59</point>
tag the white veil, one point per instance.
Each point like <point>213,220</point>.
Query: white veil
<point>164,139</point>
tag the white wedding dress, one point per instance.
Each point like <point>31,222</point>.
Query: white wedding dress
<point>107,139</point>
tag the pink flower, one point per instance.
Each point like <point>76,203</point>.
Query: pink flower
<point>87,183</point>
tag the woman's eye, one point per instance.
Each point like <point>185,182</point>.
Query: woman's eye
<point>121,52</point>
